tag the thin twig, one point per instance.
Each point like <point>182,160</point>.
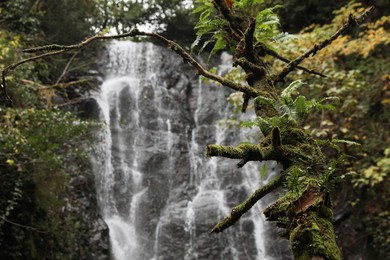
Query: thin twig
<point>66,67</point>
<point>249,66</point>
<point>20,225</point>
<point>285,60</point>
<point>72,102</point>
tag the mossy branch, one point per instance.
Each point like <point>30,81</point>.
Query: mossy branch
<point>249,152</point>
<point>244,207</point>
<point>249,66</point>
<point>276,151</point>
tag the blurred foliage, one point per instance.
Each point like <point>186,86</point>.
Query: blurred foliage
<point>357,68</point>
<point>10,52</point>
<point>296,15</point>
<point>20,16</point>
<point>40,148</point>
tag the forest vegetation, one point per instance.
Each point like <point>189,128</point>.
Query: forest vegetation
<point>342,119</point>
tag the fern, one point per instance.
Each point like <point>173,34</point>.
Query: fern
<point>325,182</point>
<point>284,37</point>
<point>220,43</point>
<point>248,124</point>
<point>298,108</point>
<point>266,124</point>
<point>301,106</point>
<point>261,100</point>
<point>294,177</point>
<point>288,91</point>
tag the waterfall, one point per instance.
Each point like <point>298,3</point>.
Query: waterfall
<point>156,190</point>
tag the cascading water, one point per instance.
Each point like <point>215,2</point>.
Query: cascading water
<point>157,192</point>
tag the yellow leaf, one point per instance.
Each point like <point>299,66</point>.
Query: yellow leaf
<point>10,162</point>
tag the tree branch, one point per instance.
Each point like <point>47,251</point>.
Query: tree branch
<point>247,151</point>
<point>248,36</point>
<point>20,225</point>
<point>55,49</point>
<point>317,47</point>
<point>233,20</point>
<point>66,67</point>
<point>279,57</point>
<point>250,152</point>
<point>249,66</point>
<point>244,207</point>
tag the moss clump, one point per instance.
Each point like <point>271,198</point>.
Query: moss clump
<point>313,236</point>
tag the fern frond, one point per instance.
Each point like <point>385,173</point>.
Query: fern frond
<point>287,92</point>
<point>301,106</point>
<point>345,142</point>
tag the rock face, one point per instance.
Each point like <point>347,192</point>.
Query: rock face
<point>157,192</point>
<point>81,213</point>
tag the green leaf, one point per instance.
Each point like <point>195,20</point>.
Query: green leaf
<point>204,45</point>
<point>205,15</point>
<point>10,162</point>
<point>248,124</point>
<point>345,142</point>
<point>220,44</point>
<point>196,42</point>
<point>263,170</point>
<point>261,100</point>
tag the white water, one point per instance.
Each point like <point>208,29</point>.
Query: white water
<point>134,148</point>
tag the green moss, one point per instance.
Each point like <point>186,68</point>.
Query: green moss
<point>314,236</point>
<point>250,151</point>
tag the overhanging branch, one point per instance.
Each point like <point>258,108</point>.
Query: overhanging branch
<point>55,49</point>
<point>244,207</point>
